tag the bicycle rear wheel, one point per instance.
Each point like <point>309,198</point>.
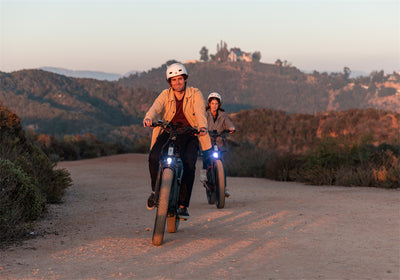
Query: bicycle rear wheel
<point>162,208</point>
<point>220,184</point>
<point>172,223</point>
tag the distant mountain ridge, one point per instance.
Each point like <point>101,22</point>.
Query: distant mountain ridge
<point>98,75</point>
<point>56,104</point>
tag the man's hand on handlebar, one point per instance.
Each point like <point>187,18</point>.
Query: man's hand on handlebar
<point>202,131</point>
<point>147,122</point>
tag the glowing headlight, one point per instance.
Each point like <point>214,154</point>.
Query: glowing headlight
<point>215,155</point>
<point>169,160</point>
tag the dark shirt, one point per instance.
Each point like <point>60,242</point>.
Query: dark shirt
<point>179,117</point>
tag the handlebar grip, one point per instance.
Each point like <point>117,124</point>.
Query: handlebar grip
<point>158,123</point>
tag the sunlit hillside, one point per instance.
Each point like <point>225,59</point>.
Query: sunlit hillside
<point>297,133</point>
<point>112,111</point>
<point>245,85</point>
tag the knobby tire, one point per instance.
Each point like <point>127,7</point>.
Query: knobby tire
<point>162,209</point>
<point>220,184</point>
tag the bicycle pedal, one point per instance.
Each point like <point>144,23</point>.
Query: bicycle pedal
<point>182,219</point>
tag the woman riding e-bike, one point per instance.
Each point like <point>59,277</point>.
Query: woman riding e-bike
<point>218,121</point>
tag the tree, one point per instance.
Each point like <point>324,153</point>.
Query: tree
<point>169,62</point>
<point>257,56</point>
<point>377,77</point>
<point>278,62</point>
<point>222,52</point>
<point>286,63</point>
<point>346,73</point>
<point>204,54</point>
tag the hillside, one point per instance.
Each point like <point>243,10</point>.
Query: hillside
<point>258,85</point>
<point>59,105</point>
<point>297,133</point>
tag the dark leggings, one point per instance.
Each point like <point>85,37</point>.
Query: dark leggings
<point>188,147</point>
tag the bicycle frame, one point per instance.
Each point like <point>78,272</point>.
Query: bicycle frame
<point>167,189</point>
<point>172,161</point>
<point>216,179</point>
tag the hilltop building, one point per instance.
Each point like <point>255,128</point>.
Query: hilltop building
<point>236,54</point>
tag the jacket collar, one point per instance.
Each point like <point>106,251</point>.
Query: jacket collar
<point>188,94</point>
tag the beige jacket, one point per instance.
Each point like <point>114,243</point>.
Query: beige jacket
<point>164,108</point>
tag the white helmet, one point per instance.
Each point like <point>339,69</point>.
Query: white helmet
<point>176,69</point>
<point>214,95</point>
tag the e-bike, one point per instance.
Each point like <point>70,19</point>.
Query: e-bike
<point>168,184</point>
<point>216,179</point>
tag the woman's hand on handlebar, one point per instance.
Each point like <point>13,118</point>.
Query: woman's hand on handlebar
<point>147,122</point>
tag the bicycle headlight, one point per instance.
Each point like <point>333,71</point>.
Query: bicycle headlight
<point>215,154</point>
<point>169,160</point>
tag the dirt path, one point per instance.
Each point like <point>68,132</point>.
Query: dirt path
<point>268,230</point>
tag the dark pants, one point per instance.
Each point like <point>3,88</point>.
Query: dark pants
<point>188,147</point>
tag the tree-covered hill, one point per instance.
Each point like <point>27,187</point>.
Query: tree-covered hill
<point>58,105</point>
<point>347,148</point>
<point>246,85</point>
<point>297,133</point>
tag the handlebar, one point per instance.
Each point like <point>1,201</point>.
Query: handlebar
<point>171,127</point>
<point>214,133</point>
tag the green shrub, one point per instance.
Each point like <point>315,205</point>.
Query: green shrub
<point>355,176</point>
<point>282,167</point>
<point>27,178</point>
<point>246,160</point>
<point>319,166</point>
<point>332,162</point>
<point>20,200</point>
<point>38,167</point>
<point>76,147</point>
<point>317,175</point>
<point>393,177</point>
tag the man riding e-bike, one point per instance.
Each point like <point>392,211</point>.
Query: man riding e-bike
<point>183,106</point>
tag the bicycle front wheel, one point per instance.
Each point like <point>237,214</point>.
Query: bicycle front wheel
<point>220,184</point>
<point>162,208</point>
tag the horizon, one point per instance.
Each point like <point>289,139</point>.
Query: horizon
<point>198,61</point>
<point>63,71</point>
<point>129,72</point>
<point>122,36</point>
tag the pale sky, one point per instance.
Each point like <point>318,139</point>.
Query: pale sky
<point>119,36</point>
